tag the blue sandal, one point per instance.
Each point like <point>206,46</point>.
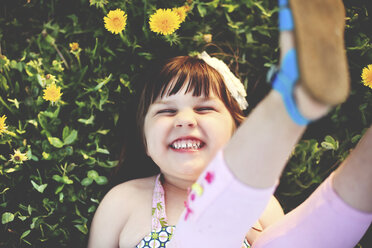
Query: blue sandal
<point>321,62</point>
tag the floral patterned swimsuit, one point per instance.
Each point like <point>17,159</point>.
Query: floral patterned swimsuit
<point>161,232</point>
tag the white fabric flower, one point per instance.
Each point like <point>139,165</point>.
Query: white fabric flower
<point>233,84</point>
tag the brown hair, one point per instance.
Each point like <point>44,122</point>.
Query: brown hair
<point>173,75</point>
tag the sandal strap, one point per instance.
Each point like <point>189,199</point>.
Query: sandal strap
<point>285,16</point>
<point>284,83</point>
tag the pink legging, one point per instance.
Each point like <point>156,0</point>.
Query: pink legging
<point>220,210</point>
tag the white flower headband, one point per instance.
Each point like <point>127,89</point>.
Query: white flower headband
<point>233,84</point>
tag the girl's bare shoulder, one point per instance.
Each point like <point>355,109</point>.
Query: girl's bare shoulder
<point>131,191</point>
<point>116,208</point>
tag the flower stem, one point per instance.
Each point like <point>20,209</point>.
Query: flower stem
<point>124,39</point>
<point>78,59</point>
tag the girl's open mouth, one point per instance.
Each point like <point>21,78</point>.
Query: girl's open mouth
<point>187,144</point>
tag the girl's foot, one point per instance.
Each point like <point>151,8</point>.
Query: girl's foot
<point>319,37</point>
<point>313,77</point>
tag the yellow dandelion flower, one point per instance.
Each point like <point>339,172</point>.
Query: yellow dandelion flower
<point>164,21</point>
<point>367,76</point>
<point>115,21</point>
<point>3,127</point>
<point>74,46</point>
<point>52,93</point>
<point>18,157</point>
<point>181,12</point>
<point>207,38</point>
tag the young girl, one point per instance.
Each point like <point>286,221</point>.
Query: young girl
<point>188,114</point>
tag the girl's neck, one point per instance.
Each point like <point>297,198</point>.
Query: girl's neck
<point>175,197</point>
<point>176,187</point>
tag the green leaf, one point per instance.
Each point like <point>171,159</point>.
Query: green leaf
<point>92,174</point>
<point>7,217</point>
<point>43,121</point>
<point>33,122</point>
<point>356,138</point>
<point>22,218</point>
<point>327,145</point>
<point>5,190</point>
<point>15,102</point>
<point>66,180</point>
<point>104,81</point>
<point>29,209</point>
<point>61,196</point>
<point>329,139</point>
<point>202,10</point>
<point>50,39</point>
<point>86,181</point>
<point>25,233</point>
<point>39,188</point>
<point>213,3</point>
<point>65,132</point>
<point>82,228</point>
<point>59,189</point>
<point>57,178</point>
<point>56,142</point>
<point>46,155</point>
<point>101,150</point>
<point>230,7</point>
<point>91,209</point>
<point>330,143</point>
<point>108,164</point>
<point>3,83</point>
<point>87,121</point>
<point>71,137</point>
<point>101,180</point>
<point>11,170</point>
<point>104,132</point>
<point>52,115</point>
<point>264,12</point>
<point>34,222</point>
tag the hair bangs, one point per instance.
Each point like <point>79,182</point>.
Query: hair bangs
<point>195,75</point>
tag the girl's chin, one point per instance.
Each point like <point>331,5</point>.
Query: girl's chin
<point>193,172</point>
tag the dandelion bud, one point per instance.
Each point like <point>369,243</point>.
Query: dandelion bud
<point>207,38</point>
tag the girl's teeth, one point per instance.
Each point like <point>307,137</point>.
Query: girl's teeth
<point>186,144</point>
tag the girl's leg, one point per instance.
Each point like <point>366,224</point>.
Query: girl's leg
<point>224,205</point>
<point>353,179</point>
<point>337,214</point>
<point>233,191</point>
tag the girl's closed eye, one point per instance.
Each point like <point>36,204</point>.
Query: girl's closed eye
<point>166,111</point>
<point>205,109</point>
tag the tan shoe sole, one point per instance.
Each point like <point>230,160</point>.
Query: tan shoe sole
<point>319,37</point>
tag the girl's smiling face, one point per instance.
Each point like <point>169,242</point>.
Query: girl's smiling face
<point>184,132</point>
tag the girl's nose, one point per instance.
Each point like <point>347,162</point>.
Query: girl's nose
<point>185,119</point>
